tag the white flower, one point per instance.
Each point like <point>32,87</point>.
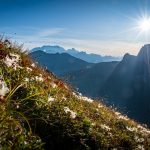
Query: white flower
<point>72,114</point>
<point>87,99</point>
<point>20,67</point>
<point>139,139</point>
<point>3,88</point>
<point>100,106</point>
<point>117,113</point>
<point>84,98</point>
<point>26,79</point>
<point>131,129</point>
<point>93,124</point>
<point>50,99</point>
<point>25,142</point>
<point>37,78</point>
<point>33,65</point>
<point>53,85</point>
<point>80,94</point>
<point>74,94</point>
<point>16,56</point>
<point>12,60</point>
<point>140,147</point>
<point>28,69</point>
<point>121,116</point>
<point>143,129</point>
<point>103,126</point>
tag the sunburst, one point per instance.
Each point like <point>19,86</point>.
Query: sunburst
<point>144,24</point>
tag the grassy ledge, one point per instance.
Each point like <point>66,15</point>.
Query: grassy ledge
<point>39,111</point>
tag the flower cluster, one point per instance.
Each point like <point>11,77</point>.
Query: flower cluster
<point>12,60</point>
<point>72,114</point>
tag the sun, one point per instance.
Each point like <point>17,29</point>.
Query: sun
<point>139,26</point>
<point>144,24</point>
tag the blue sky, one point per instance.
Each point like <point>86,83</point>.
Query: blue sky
<point>99,26</point>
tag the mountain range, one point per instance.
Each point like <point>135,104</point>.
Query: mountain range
<point>59,63</point>
<point>91,58</point>
<point>125,83</point>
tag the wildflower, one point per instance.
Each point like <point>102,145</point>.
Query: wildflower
<point>50,99</point>
<point>84,98</point>
<point>87,99</point>
<point>100,106</point>
<point>123,117</point>
<point>93,124</point>
<point>3,88</point>
<point>12,61</point>
<point>80,94</point>
<point>131,129</point>
<point>103,126</point>
<point>28,69</point>
<point>17,57</point>
<point>139,139</point>
<point>117,113</point>
<point>25,142</point>
<point>37,78</point>
<point>140,147</point>
<point>33,65</point>
<point>72,114</point>
<point>26,79</point>
<point>143,130</point>
<point>53,85</point>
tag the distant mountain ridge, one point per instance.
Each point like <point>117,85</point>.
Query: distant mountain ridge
<point>92,58</point>
<point>59,63</point>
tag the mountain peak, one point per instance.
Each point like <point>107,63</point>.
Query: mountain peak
<point>146,45</point>
<point>72,50</point>
<point>144,53</point>
<point>128,57</point>
<point>145,48</point>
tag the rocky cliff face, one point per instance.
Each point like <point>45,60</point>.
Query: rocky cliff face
<point>129,85</point>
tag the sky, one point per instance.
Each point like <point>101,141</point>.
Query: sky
<point>106,27</point>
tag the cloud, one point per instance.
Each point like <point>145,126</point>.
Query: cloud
<point>50,32</point>
<point>114,48</point>
<point>109,47</point>
<point>34,37</point>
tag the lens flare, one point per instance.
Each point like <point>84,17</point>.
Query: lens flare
<point>144,24</point>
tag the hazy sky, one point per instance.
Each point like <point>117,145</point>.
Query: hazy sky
<point>99,26</point>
